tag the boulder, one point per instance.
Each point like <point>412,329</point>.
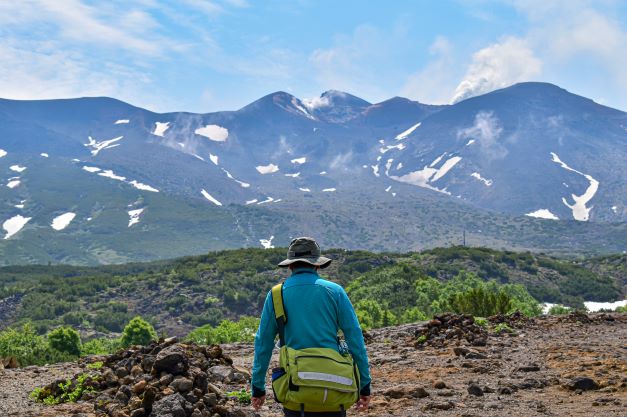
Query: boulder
<point>170,406</point>
<point>172,359</point>
<point>582,383</point>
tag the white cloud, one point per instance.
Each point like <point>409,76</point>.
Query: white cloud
<point>434,83</point>
<point>499,65</point>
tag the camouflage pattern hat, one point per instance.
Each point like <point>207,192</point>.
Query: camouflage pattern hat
<point>305,249</point>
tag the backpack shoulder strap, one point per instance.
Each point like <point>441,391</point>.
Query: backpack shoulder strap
<point>279,311</point>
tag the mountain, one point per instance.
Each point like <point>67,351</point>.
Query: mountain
<point>97,180</point>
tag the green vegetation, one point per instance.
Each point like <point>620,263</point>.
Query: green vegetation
<point>138,332</point>
<point>559,309</point>
<point>481,321</point>
<point>66,340</point>
<point>227,331</point>
<point>242,396</point>
<point>68,391</point>
<point>202,291</point>
<point>402,291</point>
<point>502,328</point>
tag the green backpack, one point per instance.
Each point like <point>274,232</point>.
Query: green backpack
<point>312,379</point>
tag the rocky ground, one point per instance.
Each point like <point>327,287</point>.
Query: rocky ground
<point>572,365</point>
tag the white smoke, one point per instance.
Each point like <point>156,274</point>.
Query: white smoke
<point>498,66</point>
<point>486,131</point>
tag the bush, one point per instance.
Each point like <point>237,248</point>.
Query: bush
<point>65,339</point>
<point>227,331</point>
<point>137,332</point>
<point>28,347</point>
<point>481,301</point>
<point>559,309</point>
<point>102,346</point>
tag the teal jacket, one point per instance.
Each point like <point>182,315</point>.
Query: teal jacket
<point>316,309</point>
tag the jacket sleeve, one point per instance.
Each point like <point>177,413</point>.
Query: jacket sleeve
<point>354,339</point>
<point>264,343</point>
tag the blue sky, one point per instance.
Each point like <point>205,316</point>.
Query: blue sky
<point>203,56</point>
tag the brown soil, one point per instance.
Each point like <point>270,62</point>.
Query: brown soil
<point>525,373</point>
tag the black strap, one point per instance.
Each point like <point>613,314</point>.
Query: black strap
<point>342,410</point>
<point>280,322</point>
<point>302,410</point>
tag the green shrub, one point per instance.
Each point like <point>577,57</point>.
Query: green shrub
<point>101,346</point>
<point>65,339</point>
<point>621,309</point>
<point>28,347</point>
<point>481,301</point>
<point>227,331</point>
<point>242,396</point>
<point>70,391</point>
<point>559,309</point>
<point>481,321</point>
<point>137,332</point>
<point>503,328</point>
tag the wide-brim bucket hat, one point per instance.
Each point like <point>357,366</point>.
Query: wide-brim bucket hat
<point>305,249</point>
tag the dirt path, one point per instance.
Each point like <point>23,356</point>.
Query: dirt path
<point>524,374</point>
<point>521,374</point>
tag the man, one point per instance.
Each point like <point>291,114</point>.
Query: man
<point>316,309</point>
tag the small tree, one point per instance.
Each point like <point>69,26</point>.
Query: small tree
<point>65,339</point>
<point>138,332</point>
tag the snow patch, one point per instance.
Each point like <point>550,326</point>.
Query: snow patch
<point>62,221</point>
<point>301,109</point>
<point>241,183</point>
<point>299,160</point>
<point>110,174</point>
<point>213,132</point>
<point>91,169</point>
<point>615,209</point>
<point>267,243</point>
<point>306,190</point>
<point>388,165</point>
<point>594,306</point>
<point>295,175</point>
<point>143,187</point>
<point>17,168</point>
<point>13,183</point>
<point>198,157</point>
<point>267,169</point>
<point>400,147</point>
<point>267,200</point>
<point>478,176</point>
<point>121,122</point>
<point>251,201</point>
<point>543,214</point>
<point>437,160</point>
<point>210,198</point>
<point>408,132</point>
<point>580,211</point>
<point>323,173</point>
<point>14,225</point>
<point>134,216</point>
<point>101,146</point>
<point>329,190</point>
<point>399,166</point>
<point>375,170</point>
<point>160,128</point>
<point>470,142</point>
<point>213,158</point>
<point>44,155</point>
<point>387,190</point>
<point>427,175</point>
<point>3,153</point>
<point>446,167</point>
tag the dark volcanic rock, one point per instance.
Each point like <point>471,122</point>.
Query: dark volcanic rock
<point>475,389</point>
<point>170,406</point>
<point>172,360</point>
<point>582,383</point>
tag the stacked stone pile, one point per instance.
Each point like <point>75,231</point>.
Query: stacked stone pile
<point>165,379</point>
<point>451,329</point>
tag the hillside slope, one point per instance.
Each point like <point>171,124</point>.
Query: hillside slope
<point>185,293</point>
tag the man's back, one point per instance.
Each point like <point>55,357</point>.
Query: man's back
<point>316,309</point>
